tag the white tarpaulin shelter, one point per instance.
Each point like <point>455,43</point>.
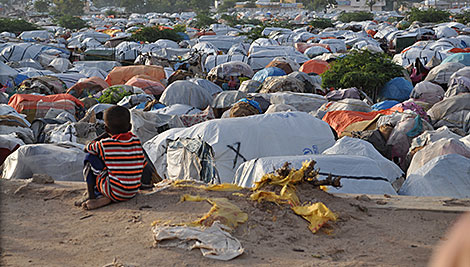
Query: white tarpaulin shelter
<point>50,159</point>
<point>188,93</point>
<point>360,175</point>
<point>236,140</point>
<point>354,146</point>
<point>442,176</point>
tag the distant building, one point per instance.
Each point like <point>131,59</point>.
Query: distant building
<point>360,5</point>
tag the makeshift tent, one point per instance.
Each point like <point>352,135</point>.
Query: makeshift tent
<point>261,75</point>
<point>227,98</point>
<point>188,93</point>
<point>462,58</point>
<point>444,176</point>
<point>453,112</point>
<point>300,101</point>
<point>312,83</point>
<point>340,119</point>
<point>150,87</point>
<point>213,61</point>
<point>441,74</point>
<point>50,159</point>
<point>359,174</point>
<point>208,85</point>
<point>223,72</point>
<point>428,92</point>
<point>315,66</point>
<point>120,75</point>
<point>398,89</point>
<point>249,86</point>
<point>148,124</point>
<point>282,83</point>
<point>236,140</point>
<point>69,78</point>
<point>107,66</point>
<point>47,85</point>
<point>7,74</point>
<point>435,149</point>
<point>358,147</point>
<point>36,106</point>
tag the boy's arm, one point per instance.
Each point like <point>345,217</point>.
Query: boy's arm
<point>94,148</point>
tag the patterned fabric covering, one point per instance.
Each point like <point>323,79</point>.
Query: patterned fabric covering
<point>205,115</point>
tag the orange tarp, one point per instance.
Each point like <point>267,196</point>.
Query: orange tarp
<point>340,119</point>
<point>315,66</point>
<point>120,75</point>
<point>36,106</point>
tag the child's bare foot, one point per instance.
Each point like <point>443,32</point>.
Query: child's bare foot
<point>92,204</point>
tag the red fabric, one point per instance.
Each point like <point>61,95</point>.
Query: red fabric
<point>315,66</point>
<point>5,152</point>
<point>340,119</point>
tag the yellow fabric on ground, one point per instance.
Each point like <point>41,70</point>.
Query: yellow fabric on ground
<point>317,214</point>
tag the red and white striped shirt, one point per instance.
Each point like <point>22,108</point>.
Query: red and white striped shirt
<point>124,159</point>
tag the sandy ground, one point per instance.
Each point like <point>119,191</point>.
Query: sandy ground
<point>40,226</point>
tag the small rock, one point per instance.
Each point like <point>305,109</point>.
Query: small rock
<point>363,198</point>
<point>381,202</point>
<point>42,179</point>
<point>387,196</point>
<point>414,246</point>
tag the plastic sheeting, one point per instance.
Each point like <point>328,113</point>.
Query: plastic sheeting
<point>50,159</point>
<point>300,101</point>
<point>398,89</point>
<point>360,175</point>
<point>236,140</point>
<point>235,68</point>
<point>435,149</point>
<point>261,75</point>
<point>188,93</point>
<point>444,176</point>
<point>452,112</point>
<point>148,124</point>
<point>208,85</point>
<point>354,146</point>
<point>214,242</point>
<point>428,92</point>
<point>441,74</point>
<point>227,98</point>
<point>282,83</point>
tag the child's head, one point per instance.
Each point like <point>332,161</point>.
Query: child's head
<point>117,120</point>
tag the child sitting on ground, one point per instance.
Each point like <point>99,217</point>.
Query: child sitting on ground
<point>114,164</point>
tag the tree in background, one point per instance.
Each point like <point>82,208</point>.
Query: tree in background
<point>362,69</point>
<point>16,25</point>
<point>320,23</point>
<point>430,15</point>
<point>70,22</point>
<point>42,6</point>
<point>355,16</point>
<point>203,20</point>
<point>152,34</point>
<point>68,7</point>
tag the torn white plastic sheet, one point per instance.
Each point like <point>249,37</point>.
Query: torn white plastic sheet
<point>214,242</point>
